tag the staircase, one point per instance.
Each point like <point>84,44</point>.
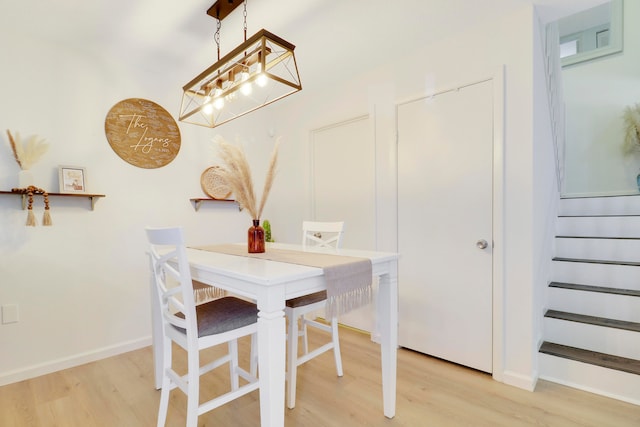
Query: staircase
<point>591,326</point>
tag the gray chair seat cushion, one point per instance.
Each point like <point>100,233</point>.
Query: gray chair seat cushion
<point>307,299</point>
<point>222,315</point>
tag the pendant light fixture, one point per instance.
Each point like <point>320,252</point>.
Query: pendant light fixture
<point>258,72</point>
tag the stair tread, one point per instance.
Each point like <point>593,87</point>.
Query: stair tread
<point>596,261</point>
<point>593,320</point>
<point>598,215</point>
<point>592,288</point>
<point>581,227</point>
<point>592,357</point>
<point>598,196</point>
<point>597,237</point>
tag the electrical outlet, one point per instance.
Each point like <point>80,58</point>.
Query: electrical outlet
<point>9,313</point>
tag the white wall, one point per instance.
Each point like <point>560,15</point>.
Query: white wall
<point>478,53</point>
<point>596,94</point>
<point>546,193</point>
<point>81,284</point>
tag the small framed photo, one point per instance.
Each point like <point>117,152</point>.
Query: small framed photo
<point>72,179</point>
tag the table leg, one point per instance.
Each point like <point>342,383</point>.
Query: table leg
<point>271,360</point>
<point>387,306</point>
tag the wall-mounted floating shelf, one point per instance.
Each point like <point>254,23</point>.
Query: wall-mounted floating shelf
<point>92,197</point>
<point>197,201</point>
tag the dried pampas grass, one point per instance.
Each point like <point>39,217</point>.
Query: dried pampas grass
<point>632,131</point>
<point>27,154</point>
<point>237,174</point>
<point>271,173</point>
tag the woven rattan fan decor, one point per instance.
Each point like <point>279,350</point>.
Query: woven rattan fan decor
<point>213,184</point>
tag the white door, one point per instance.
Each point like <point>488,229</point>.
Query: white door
<point>445,169</point>
<point>343,188</point>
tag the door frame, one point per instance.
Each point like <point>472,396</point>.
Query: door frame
<point>498,80</point>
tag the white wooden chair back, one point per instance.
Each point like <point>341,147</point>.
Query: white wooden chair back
<point>173,282</point>
<point>323,234</point>
<point>318,234</point>
<point>216,322</point>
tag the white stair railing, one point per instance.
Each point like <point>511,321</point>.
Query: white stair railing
<point>553,71</point>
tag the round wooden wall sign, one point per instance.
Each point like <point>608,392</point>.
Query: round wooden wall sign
<point>142,133</point>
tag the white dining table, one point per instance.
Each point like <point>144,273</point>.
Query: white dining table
<point>270,284</point>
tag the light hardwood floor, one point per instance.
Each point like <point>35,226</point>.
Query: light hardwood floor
<point>118,392</point>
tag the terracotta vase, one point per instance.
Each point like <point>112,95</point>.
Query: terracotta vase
<point>255,238</point>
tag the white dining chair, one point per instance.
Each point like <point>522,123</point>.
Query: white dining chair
<point>322,234</point>
<point>195,328</point>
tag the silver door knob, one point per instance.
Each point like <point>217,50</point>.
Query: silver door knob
<point>482,244</point>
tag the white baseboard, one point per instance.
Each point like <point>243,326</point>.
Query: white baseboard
<point>71,361</point>
<point>524,382</point>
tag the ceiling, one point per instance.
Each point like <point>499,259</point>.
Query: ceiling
<point>159,33</point>
<point>148,19</point>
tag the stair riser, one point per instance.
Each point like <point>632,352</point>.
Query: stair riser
<point>595,379</point>
<point>587,217</point>
<point>612,341</point>
<point>610,306</point>
<point>599,249</point>
<point>598,226</point>
<point>629,205</point>
<point>614,276</point>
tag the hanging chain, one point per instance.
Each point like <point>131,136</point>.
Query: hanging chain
<point>216,36</point>
<point>245,20</point>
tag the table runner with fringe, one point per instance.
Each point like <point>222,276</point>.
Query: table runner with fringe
<point>348,278</point>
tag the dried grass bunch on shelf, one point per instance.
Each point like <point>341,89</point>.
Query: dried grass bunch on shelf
<point>27,154</point>
<point>237,175</point>
<point>632,128</point>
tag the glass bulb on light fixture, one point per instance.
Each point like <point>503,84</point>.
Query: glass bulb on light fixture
<point>218,100</point>
<point>262,79</point>
<point>246,88</point>
<point>207,107</point>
